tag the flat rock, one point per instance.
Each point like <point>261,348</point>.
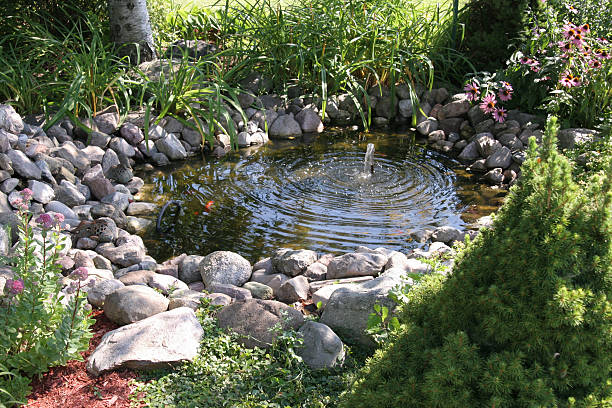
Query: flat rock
<point>356,264</point>
<point>253,319</point>
<point>185,298</point>
<point>159,341</point>
<point>23,166</point>
<point>232,291</point>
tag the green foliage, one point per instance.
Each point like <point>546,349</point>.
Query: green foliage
<point>226,374</point>
<point>525,320</point>
<point>491,27</point>
<point>40,328</point>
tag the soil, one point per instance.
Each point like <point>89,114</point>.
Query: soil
<point>70,386</point>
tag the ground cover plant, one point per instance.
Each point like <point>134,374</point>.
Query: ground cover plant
<point>226,374</point>
<point>525,318</point>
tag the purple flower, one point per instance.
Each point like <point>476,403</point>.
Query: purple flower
<point>45,220</point>
<point>505,94</point>
<point>71,288</point>
<point>471,91</point>
<point>79,273</point>
<point>59,218</point>
<point>14,286</point>
<point>26,194</point>
<point>500,114</point>
<point>488,103</point>
<point>568,80</point>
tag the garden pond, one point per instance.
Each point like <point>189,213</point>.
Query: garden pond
<point>313,193</point>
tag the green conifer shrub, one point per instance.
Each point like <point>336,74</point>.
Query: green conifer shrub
<point>525,320</point>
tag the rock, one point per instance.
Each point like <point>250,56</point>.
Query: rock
<point>232,291</point>
<point>160,159</point>
<point>171,147</point>
<point>405,108</point>
<point>259,290</point>
<point>347,311</point>
<point>316,272</point>
<point>293,290</point>
<point>142,208</point>
<point>123,255</point>
<point>321,347</point>
<point>265,264</point>
<point>22,165</point>
<point>510,141</point>
<point>567,138</point>
<point>134,277</point>
<point>244,139</point>
<point>357,264</point>
<point>120,146</point>
<point>253,319</point>
<point>486,144</point>
<point>98,139</point>
<point>61,208</point>
<point>309,121</point>
<point>435,136</point>
<point>76,157</point>
<point>494,176</point>
<point>186,298</point>
<point>10,120</point>
<point>321,296</point>
<point>165,283</point>
<point>500,158</point>
<point>101,289</point>
<point>41,192</point>
<point>386,106</point>
<point>99,185</point>
<point>265,119</point>
<point>427,126</point>
<point>225,267</point>
<point>189,269</point>
<point>107,122</point>
<point>447,234</point>
<point>117,200</point>
<point>285,126</point>
<point>137,225</point>
<point>454,109</point>
<point>131,133</point>
<point>470,152</point>
<point>133,303</point>
<point>292,262</point>
<point>486,126</point>
<point>159,341</point>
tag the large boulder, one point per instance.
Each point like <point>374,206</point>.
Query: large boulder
<point>225,267</point>
<point>159,341</point>
<point>133,303</point>
<point>171,146</point>
<point>253,319</point>
<point>285,126</point>
<point>292,262</point>
<point>23,165</point>
<point>356,264</point>
<point>321,348</point>
<point>10,120</point>
<point>189,269</point>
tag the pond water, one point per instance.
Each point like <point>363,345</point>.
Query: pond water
<point>313,194</point>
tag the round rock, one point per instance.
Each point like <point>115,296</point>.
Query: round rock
<point>225,267</point>
<point>133,303</point>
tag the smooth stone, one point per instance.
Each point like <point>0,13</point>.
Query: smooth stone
<point>356,264</point>
<point>225,267</point>
<point>137,225</point>
<point>133,303</point>
<point>165,283</point>
<point>232,291</point>
<point>23,166</point>
<point>171,147</point>
<point>295,289</point>
<point>259,290</point>
<point>321,347</point>
<point>186,298</point>
<point>292,262</point>
<point>101,289</point>
<point>447,234</point>
<point>59,207</point>
<point>189,269</point>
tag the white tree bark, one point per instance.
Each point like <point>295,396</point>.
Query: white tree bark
<point>131,29</point>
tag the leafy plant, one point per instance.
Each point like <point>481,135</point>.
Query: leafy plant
<point>524,320</point>
<point>41,329</point>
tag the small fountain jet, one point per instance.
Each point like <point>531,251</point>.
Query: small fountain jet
<point>368,163</point>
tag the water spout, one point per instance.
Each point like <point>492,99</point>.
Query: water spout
<point>368,163</point>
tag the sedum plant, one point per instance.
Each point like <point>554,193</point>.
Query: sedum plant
<point>40,328</point>
<point>525,320</point>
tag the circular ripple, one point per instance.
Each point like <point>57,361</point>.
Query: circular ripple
<point>310,196</point>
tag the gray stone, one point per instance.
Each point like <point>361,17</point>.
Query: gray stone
<point>120,146</point>
<point>454,109</point>
<point>8,185</point>
<point>131,133</point>
<point>293,290</point>
<point>5,242</point>
<point>99,185</point>
<point>427,126</point>
<point>135,225</point>
<point>165,283</point>
<point>101,289</point>
<point>157,132</point>
<point>357,264</point>
<point>321,296</point>
<point>41,192</point>
<point>435,136</point>
<point>159,341</point>
<point>133,303</point>
<point>160,159</point>
<point>142,208</point>
<point>494,176</point>
<point>285,126</point>
<point>265,264</point>
<point>265,119</point>
<point>98,139</point>
<point>447,234</point>
<point>107,122</point>
<point>189,269</point>
<point>476,115</point>
<point>386,106</point>
<point>67,193</point>
<point>321,347</point>
<point>567,138</point>
<point>292,262</point>
<point>225,267</point>
<point>232,291</point>
<point>347,311</point>
<point>171,147</point>
<point>316,272</point>
<point>253,319</point>
<point>510,141</point>
<point>486,144</point>
<point>76,157</point>
<point>186,298</point>
<point>118,200</point>
<point>131,276</point>
<point>259,290</point>
<point>23,166</point>
<point>309,121</point>
<point>10,120</point>
<point>500,158</point>
<point>405,108</point>
<point>486,126</point>
<point>123,255</point>
<point>59,207</point>
<point>244,139</point>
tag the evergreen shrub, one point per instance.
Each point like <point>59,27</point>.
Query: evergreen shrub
<point>525,320</point>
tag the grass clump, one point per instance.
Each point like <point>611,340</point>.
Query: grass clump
<point>525,320</point>
<point>226,374</point>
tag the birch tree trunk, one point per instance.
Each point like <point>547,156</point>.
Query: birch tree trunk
<point>131,29</point>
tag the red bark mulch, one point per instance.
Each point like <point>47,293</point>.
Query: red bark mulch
<point>70,386</point>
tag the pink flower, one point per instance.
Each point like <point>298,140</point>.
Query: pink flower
<point>571,9</point>
<point>585,28</point>
<point>506,85</point>
<point>471,91</point>
<point>505,94</point>
<point>602,54</point>
<point>525,61</point>
<point>14,286</point>
<point>568,80</point>
<point>59,218</point>
<point>500,114</point>
<point>45,220</point>
<point>26,194</point>
<point>576,81</point>
<point>488,103</point>
<point>79,273</point>
<point>596,64</point>
<point>569,30</point>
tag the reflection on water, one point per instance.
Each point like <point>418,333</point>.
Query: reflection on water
<point>312,195</point>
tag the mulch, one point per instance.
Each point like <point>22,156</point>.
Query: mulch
<point>70,386</point>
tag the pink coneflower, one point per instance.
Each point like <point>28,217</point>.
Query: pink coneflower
<point>500,114</point>
<point>571,9</point>
<point>505,94</point>
<point>603,54</point>
<point>585,28</point>
<point>488,103</point>
<point>526,61</point>
<point>471,91</point>
<point>506,85</point>
<point>577,39</point>
<point>568,80</point>
<point>576,81</point>
<point>596,64</point>
<point>569,30</point>
<point>565,46</point>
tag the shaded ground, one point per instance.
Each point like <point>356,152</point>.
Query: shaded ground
<point>71,386</point>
